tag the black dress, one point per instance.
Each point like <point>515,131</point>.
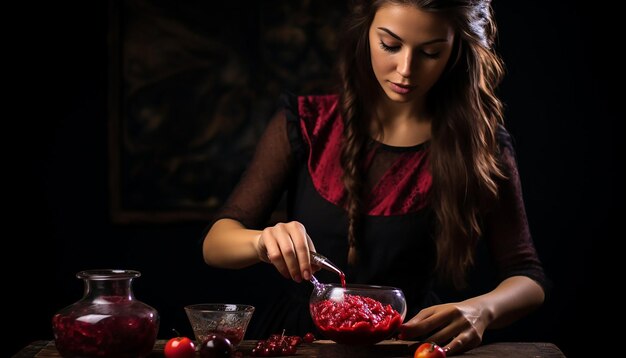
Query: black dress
<point>299,152</point>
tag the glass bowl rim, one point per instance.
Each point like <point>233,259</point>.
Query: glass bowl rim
<point>360,287</point>
<point>220,307</point>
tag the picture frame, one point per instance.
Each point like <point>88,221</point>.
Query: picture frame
<point>191,89</point>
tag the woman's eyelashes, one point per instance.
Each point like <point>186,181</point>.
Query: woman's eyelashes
<point>433,55</point>
<point>394,49</point>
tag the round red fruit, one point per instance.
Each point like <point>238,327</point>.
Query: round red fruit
<point>294,340</point>
<point>429,350</point>
<point>179,347</point>
<point>216,346</point>
<point>308,338</point>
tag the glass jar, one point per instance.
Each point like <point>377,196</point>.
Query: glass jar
<point>108,321</point>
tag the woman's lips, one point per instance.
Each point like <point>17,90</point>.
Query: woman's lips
<point>401,89</point>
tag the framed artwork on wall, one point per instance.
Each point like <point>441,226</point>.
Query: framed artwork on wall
<point>191,88</point>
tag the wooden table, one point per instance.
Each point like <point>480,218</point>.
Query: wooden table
<point>327,349</point>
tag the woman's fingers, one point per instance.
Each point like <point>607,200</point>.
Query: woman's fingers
<point>288,247</point>
<point>421,324</point>
<point>273,252</point>
<point>286,237</point>
<point>447,333</point>
<point>300,241</point>
<point>455,346</point>
<point>447,324</point>
<point>462,343</point>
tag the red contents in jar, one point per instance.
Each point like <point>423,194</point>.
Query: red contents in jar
<point>355,319</point>
<point>103,335</point>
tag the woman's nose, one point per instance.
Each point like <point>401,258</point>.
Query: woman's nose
<point>404,64</point>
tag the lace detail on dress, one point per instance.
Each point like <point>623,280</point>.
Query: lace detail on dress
<point>403,187</point>
<point>397,182</point>
<point>322,130</point>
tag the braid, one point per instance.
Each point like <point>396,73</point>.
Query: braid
<point>351,155</point>
<point>357,95</point>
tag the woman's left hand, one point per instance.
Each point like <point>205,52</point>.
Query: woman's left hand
<point>460,326</point>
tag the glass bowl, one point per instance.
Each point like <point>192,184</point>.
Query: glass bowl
<point>226,319</point>
<point>357,314</point>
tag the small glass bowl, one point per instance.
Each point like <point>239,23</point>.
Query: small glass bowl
<point>228,320</point>
<point>357,314</point>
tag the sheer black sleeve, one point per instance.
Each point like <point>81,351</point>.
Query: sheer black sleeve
<point>506,230</point>
<point>261,187</point>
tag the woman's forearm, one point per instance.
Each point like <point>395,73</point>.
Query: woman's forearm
<point>514,297</point>
<point>230,245</point>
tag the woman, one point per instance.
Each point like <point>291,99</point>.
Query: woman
<point>410,162</point>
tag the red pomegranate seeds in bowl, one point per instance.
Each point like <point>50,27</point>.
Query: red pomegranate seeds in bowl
<point>357,314</point>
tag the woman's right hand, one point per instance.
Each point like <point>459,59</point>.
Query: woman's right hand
<point>287,246</point>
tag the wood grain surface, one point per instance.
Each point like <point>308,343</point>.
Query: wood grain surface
<point>328,349</point>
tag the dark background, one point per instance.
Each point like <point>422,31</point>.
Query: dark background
<point>561,112</point>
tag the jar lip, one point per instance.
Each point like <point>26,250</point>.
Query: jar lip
<point>108,274</point>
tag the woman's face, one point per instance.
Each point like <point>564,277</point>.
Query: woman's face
<point>409,50</point>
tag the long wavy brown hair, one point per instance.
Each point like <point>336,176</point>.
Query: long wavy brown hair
<point>465,112</point>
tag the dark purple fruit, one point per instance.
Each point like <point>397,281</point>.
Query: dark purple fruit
<point>216,346</point>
